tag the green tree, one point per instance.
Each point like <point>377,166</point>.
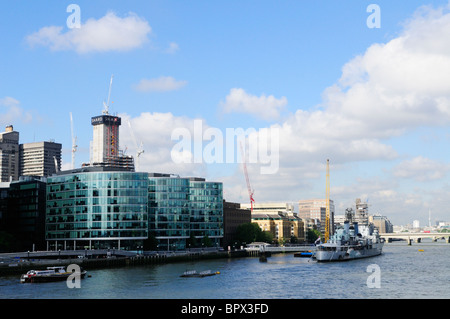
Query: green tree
<point>312,235</point>
<point>248,233</point>
<point>251,232</point>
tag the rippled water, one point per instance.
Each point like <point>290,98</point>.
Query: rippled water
<point>405,272</point>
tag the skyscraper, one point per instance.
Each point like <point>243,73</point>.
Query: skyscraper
<point>105,145</point>
<point>39,158</point>
<point>9,155</point>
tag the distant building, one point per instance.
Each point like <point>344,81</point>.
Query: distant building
<point>39,158</point>
<point>9,155</point>
<point>278,218</point>
<point>270,207</point>
<point>282,225</point>
<point>382,223</point>
<point>316,209</point>
<point>233,216</point>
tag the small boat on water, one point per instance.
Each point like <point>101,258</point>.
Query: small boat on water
<point>55,273</point>
<point>194,273</point>
<point>308,253</point>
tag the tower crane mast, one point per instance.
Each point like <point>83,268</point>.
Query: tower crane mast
<point>139,148</point>
<point>327,216</point>
<point>74,142</point>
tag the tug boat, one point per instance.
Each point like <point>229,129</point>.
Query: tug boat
<point>55,273</point>
<point>351,242</point>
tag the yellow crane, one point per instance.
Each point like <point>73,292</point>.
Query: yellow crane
<point>327,217</point>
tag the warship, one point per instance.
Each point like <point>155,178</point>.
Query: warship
<point>350,242</point>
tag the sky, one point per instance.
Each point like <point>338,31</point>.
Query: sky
<point>367,87</point>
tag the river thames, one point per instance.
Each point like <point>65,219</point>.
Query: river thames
<point>419,271</point>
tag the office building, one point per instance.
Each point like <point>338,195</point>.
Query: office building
<point>316,209</point>
<point>97,207</point>
<point>184,209</point>
<point>279,219</point>
<point>233,216</point>
<point>40,158</point>
<point>383,224</point>
<point>9,155</point>
<point>26,212</point>
<point>270,207</point>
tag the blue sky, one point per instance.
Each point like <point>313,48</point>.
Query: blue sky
<point>372,100</point>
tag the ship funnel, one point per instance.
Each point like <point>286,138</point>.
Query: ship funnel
<point>346,227</point>
<point>355,226</point>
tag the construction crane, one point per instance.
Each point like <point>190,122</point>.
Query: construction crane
<point>139,149</point>
<point>74,142</point>
<point>106,105</point>
<point>250,192</point>
<point>327,217</point>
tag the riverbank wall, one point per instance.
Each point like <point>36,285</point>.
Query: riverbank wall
<point>19,265</point>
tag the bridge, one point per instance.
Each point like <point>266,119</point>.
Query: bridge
<point>417,237</point>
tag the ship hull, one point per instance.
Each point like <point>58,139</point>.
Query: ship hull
<point>337,253</point>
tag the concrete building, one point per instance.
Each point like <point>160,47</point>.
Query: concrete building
<point>105,144</point>
<point>283,226</point>
<point>9,155</point>
<point>316,209</point>
<point>278,218</point>
<point>382,223</point>
<point>39,158</point>
<point>270,207</point>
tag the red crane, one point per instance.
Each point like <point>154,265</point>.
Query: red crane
<point>250,192</point>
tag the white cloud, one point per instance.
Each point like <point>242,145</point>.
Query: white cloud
<point>11,112</point>
<point>109,33</point>
<point>154,130</point>
<point>161,84</point>
<point>390,89</point>
<point>263,107</point>
<point>173,47</point>
<point>421,169</point>
<point>399,85</point>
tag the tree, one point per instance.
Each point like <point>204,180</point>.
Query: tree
<point>312,235</point>
<point>251,232</point>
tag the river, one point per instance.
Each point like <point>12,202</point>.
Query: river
<point>402,271</point>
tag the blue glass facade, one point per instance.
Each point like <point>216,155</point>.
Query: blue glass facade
<point>182,208</point>
<point>98,208</point>
<point>105,208</point>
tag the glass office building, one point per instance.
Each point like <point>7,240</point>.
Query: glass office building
<point>97,208</point>
<point>184,208</point>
